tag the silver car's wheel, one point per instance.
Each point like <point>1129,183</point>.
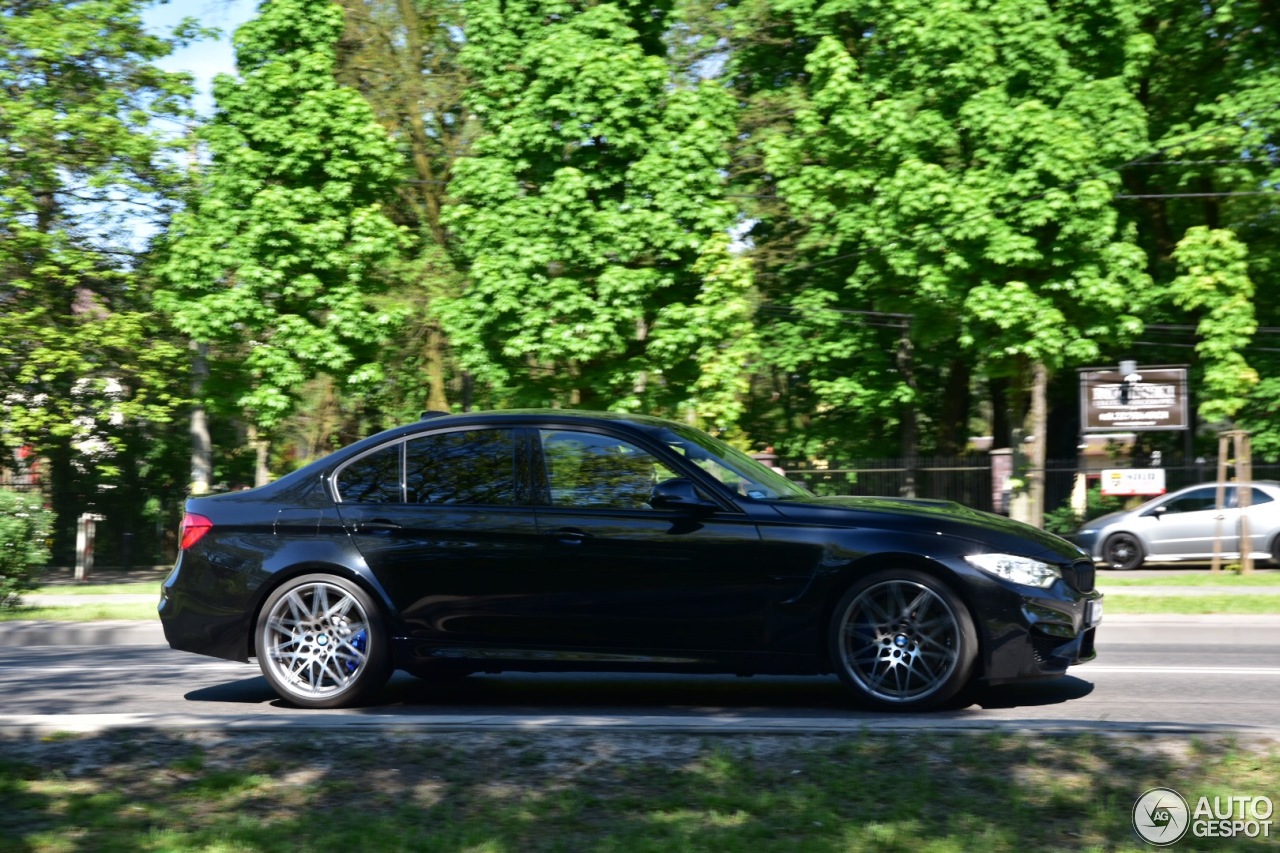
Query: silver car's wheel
<point>321,643</point>
<point>1122,551</point>
<point>902,640</point>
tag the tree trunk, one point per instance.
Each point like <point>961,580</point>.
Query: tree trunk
<point>201,444</point>
<point>261,449</point>
<point>1037,426</point>
<point>953,425</point>
<point>910,423</point>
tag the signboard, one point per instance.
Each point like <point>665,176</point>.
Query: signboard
<point>1150,398</point>
<point>1126,482</point>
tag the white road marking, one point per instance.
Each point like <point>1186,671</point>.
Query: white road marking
<point>1179,670</point>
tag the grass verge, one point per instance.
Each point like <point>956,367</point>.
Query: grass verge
<point>1227,580</point>
<point>154,791</point>
<point>82,613</point>
<point>147,588</point>
<point>1253,604</point>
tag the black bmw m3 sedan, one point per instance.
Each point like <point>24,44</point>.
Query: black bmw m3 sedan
<point>561,540</point>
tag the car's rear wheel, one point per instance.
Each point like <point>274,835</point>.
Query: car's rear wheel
<point>1122,551</point>
<point>903,640</point>
<point>321,642</point>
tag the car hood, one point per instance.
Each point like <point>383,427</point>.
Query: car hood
<point>994,532</point>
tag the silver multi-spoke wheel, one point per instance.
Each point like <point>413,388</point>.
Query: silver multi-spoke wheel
<point>903,640</point>
<point>320,642</point>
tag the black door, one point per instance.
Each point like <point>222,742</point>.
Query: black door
<point>444,522</point>
<point>619,575</point>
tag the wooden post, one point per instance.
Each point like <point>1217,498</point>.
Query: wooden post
<point>1234,451</point>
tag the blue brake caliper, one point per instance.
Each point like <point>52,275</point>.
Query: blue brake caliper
<point>359,642</point>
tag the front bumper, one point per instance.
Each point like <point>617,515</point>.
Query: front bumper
<point>1035,633</point>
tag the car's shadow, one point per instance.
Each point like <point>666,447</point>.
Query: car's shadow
<point>639,694</point>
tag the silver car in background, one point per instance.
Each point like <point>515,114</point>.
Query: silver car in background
<point>1183,525</point>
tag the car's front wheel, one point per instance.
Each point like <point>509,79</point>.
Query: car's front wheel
<point>321,642</point>
<point>903,640</point>
<point>1122,551</point>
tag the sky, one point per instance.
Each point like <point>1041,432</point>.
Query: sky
<point>203,59</point>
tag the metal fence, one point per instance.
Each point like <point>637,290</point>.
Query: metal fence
<point>964,479</point>
<point>968,479</point>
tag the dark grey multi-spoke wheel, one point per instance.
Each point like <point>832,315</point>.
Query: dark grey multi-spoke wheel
<point>1122,551</point>
<point>902,640</point>
<point>321,642</point>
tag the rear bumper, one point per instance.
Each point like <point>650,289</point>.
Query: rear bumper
<point>196,623</point>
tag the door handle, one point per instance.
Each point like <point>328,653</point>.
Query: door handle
<point>375,524</point>
<point>568,536</point>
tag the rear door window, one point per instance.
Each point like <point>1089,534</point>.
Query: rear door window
<point>463,467</point>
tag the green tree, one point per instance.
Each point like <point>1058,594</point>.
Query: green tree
<point>944,192</point>
<point>89,377</point>
<point>1206,205</point>
<point>1215,285</point>
<point>276,263</point>
<point>591,219</point>
<point>402,55</point>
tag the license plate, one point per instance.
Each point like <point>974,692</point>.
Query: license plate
<point>1093,613</point>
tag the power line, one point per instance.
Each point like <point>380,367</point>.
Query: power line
<point>1200,195</point>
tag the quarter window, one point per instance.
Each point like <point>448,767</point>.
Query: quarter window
<point>1257,496</point>
<point>373,478</point>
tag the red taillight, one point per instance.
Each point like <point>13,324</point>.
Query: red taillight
<point>193,528</point>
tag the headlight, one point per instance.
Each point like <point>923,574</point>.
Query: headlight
<point>1088,530</point>
<point>1017,569</point>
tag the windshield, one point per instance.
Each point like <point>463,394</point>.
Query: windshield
<point>731,466</point>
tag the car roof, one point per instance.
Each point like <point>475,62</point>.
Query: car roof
<point>1275,484</point>
<point>548,417</point>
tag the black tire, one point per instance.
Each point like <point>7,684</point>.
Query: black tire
<point>902,640</point>
<point>1123,551</point>
<point>322,642</point>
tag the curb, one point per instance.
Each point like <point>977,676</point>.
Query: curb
<point>107,633</point>
<point>720,724</point>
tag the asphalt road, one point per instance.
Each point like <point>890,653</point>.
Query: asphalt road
<point>1199,681</point>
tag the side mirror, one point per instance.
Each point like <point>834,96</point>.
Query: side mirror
<point>679,493</point>
<point>1158,511</point>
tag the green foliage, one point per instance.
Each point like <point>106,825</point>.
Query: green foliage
<point>25,528</point>
<point>949,162</point>
<point>1065,519</point>
<point>1215,285</point>
<point>82,166</point>
<point>591,219</point>
<point>89,376</point>
<point>275,262</point>
<point>1207,211</point>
